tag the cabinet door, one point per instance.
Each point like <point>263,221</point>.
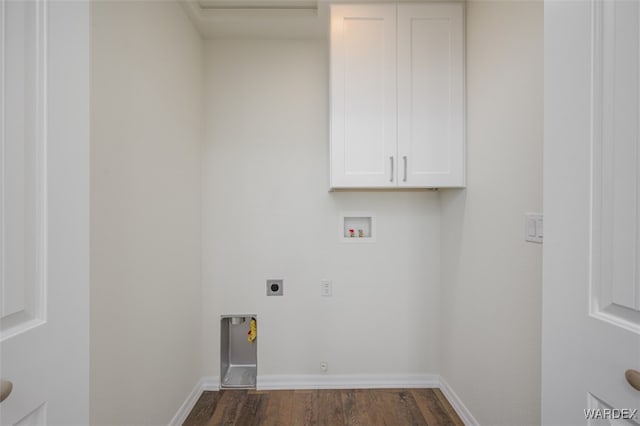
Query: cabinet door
<point>430,95</point>
<point>363,96</point>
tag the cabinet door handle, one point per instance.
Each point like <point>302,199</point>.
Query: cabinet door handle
<point>405,168</point>
<point>633,377</point>
<point>391,161</point>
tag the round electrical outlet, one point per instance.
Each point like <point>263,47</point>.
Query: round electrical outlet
<point>275,287</point>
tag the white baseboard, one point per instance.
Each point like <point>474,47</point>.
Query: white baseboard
<point>342,381</point>
<point>204,384</point>
<point>455,401</point>
<point>347,381</point>
<point>210,383</point>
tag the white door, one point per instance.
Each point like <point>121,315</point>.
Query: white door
<point>431,95</point>
<point>591,291</point>
<point>44,196</point>
<point>363,96</point>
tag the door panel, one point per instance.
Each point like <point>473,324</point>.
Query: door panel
<point>615,186</point>
<point>23,255</point>
<point>590,273</point>
<point>615,289</point>
<point>44,211</point>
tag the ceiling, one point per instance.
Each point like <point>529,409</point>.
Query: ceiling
<point>257,4</point>
<point>266,19</point>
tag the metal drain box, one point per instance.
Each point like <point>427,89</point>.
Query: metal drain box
<point>238,355</point>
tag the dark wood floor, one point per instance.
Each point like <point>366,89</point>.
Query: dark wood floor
<point>393,407</point>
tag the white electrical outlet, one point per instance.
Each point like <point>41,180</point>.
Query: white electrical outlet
<point>324,366</point>
<point>326,288</point>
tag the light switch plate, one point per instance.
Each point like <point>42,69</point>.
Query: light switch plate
<point>326,288</point>
<point>533,227</point>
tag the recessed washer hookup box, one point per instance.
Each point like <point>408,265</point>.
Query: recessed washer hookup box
<point>238,351</point>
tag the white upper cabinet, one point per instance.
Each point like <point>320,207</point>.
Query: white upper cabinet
<point>397,96</point>
<point>431,95</point>
<point>363,96</point>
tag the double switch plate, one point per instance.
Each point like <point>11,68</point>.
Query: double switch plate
<point>533,230</point>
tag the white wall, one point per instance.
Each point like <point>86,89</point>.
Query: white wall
<point>491,278</point>
<point>267,213</point>
<point>450,287</point>
<point>147,79</point>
